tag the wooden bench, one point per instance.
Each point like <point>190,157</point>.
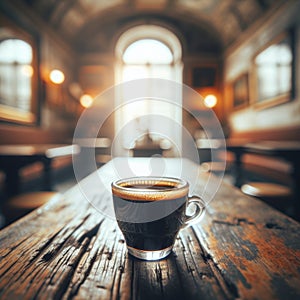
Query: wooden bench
<point>277,195</point>
<point>274,169</point>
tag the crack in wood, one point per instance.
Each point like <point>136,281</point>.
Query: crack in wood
<point>158,273</point>
<point>43,247</point>
<point>63,287</point>
<point>83,269</point>
<point>228,288</point>
<point>109,254</point>
<point>94,266</point>
<point>182,281</point>
<point>68,240</point>
<point>12,248</point>
<point>91,233</point>
<point>118,276</point>
<point>65,258</point>
<point>159,278</point>
<point>272,225</point>
<point>86,241</point>
<point>236,222</point>
<point>123,280</point>
<point>24,267</point>
<point>188,262</point>
<point>75,288</point>
<point>9,250</point>
<point>113,285</point>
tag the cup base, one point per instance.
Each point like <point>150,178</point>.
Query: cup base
<point>149,255</point>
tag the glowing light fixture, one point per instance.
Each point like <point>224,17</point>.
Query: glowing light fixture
<point>210,101</point>
<point>86,100</point>
<point>57,76</point>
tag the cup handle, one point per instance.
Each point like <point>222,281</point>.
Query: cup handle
<point>199,211</point>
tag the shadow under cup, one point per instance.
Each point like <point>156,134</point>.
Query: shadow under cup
<point>150,211</point>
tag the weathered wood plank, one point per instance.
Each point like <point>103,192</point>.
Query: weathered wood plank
<point>68,250</point>
<point>256,249</point>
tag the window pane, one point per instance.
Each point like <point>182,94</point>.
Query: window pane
<point>148,51</point>
<point>15,74</point>
<point>13,50</point>
<point>274,70</point>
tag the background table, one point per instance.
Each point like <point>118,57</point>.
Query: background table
<point>66,250</point>
<point>97,148</point>
<point>208,149</point>
<point>14,157</point>
<point>237,146</point>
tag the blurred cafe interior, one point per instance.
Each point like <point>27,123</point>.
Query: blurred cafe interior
<point>241,56</point>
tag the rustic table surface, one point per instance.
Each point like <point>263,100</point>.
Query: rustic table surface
<point>242,249</point>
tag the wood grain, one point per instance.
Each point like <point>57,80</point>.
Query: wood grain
<point>242,249</point>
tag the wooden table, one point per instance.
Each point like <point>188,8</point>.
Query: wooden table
<point>208,148</point>
<point>242,249</point>
<point>237,146</point>
<point>99,148</point>
<point>147,150</point>
<point>14,157</point>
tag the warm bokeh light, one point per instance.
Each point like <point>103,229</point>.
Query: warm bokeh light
<point>210,101</point>
<point>86,100</point>
<point>57,76</point>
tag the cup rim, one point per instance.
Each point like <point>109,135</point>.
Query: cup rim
<point>150,195</point>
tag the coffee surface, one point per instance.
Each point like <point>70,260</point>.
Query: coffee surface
<point>150,189</point>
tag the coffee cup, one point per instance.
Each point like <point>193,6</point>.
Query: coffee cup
<point>150,212</point>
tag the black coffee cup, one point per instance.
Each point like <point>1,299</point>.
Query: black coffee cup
<point>150,211</point>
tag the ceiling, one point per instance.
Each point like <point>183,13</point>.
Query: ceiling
<point>216,22</point>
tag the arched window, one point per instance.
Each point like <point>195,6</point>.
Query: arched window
<point>16,76</point>
<point>148,51</point>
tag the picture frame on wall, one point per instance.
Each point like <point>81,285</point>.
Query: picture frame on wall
<point>274,72</point>
<point>240,91</point>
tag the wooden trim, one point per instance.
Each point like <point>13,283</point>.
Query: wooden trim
<point>32,135</point>
<point>276,134</point>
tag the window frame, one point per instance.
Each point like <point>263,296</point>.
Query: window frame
<point>14,114</point>
<point>287,38</point>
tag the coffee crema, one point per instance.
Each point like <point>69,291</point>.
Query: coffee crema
<point>150,189</point>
